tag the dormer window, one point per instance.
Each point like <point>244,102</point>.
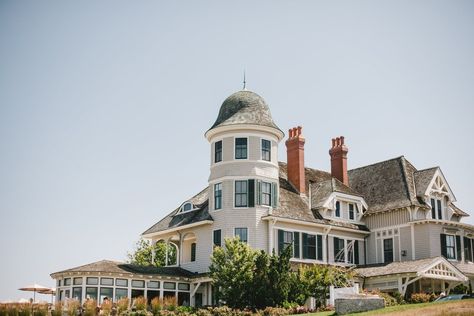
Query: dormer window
<point>188,206</point>
<point>351,211</point>
<point>436,209</point>
<point>338,209</point>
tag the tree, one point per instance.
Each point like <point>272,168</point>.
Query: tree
<point>232,270</point>
<point>279,277</point>
<point>143,253</point>
<point>317,279</point>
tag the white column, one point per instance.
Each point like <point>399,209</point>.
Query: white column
<point>270,236</point>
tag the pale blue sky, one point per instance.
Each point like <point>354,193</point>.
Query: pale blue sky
<point>103,106</point>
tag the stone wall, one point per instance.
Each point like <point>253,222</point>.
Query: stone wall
<point>359,304</point>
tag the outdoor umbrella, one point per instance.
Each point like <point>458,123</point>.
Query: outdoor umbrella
<point>34,288</point>
<point>51,291</point>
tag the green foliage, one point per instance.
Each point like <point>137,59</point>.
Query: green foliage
<point>279,277</point>
<point>316,280</point>
<point>232,269</point>
<point>143,253</point>
<point>460,289</point>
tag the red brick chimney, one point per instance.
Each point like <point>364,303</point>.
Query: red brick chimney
<point>295,159</point>
<point>338,154</point>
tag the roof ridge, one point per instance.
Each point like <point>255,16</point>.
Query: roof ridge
<point>376,163</point>
<point>431,168</point>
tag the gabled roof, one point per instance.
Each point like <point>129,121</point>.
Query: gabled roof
<point>176,219</point>
<point>294,206</point>
<point>321,191</point>
<point>420,267</point>
<point>423,179</point>
<point>108,266</point>
<point>386,185</point>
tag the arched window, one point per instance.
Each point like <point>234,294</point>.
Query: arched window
<point>187,206</point>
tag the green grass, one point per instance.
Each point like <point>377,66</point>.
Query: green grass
<point>409,308</point>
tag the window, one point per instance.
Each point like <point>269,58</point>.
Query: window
<point>186,207</point>
<point>183,286</point>
<point>193,252</point>
<point>217,196</point>
<point>351,211</point>
<point>77,281</point>
<point>266,193</point>
<point>169,285</point>
<point>67,282</point>
<point>91,293</point>
<point>77,293</point>
<point>285,239</point>
<point>217,238</point>
<point>266,150</point>
<point>106,281</point>
<point>388,250</point>
<point>92,281</point>
<point>121,282</point>
<point>242,234</point>
<point>241,148</point>
<point>338,209</point>
<point>119,293</point>
<point>309,246</point>
<point>467,249</point>
<point>450,247</point>
<point>138,283</point>
<point>436,209</point>
<point>106,292</point>
<point>218,151</point>
<point>241,193</point>
<point>339,252</point>
<point>153,284</point>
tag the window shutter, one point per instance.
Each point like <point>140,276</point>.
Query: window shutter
<point>259,192</point>
<point>280,241</point>
<point>296,244</point>
<point>305,245</point>
<point>444,252</point>
<point>274,195</point>
<point>319,245</point>
<point>193,252</point>
<point>356,251</point>
<point>433,211</point>
<point>458,248</point>
<point>251,195</point>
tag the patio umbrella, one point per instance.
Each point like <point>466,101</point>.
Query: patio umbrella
<point>51,291</point>
<point>34,288</point>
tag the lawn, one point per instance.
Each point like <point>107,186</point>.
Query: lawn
<point>456,308</point>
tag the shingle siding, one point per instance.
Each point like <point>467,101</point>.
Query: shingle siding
<point>405,242</point>
<point>386,219</point>
<point>422,242</point>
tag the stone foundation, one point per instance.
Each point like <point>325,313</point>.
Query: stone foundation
<point>358,304</point>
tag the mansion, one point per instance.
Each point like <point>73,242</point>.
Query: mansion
<point>396,225</point>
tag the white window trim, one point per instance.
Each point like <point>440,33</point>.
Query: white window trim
<point>233,195</point>
<point>214,196</point>
<point>248,235</point>
<point>261,150</point>
<point>213,152</point>
<point>248,149</point>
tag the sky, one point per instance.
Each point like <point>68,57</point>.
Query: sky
<point>104,105</point>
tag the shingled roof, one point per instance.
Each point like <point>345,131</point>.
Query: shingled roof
<point>244,107</point>
<point>292,205</point>
<point>176,219</point>
<point>386,185</point>
<point>108,266</point>
<point>423,179</point>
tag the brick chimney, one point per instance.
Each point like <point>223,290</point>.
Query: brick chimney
<point>338,154</point>
<point>295,159</point>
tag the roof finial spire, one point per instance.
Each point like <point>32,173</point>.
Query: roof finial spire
<point>244,82</point>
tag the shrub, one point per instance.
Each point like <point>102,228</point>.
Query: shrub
<point>420,298</point>
<point>156,305</point>
<point>24,309</point>
<point>12,310</point>
<point>170,303</point>
<point>275,311</point>
<point>122,305</point>
<point>106,308</point>
<point>399,297</point>
<point>72,306</point>
<point>388,299</point>
<point>201,312</point>
<point>58,309</point>
<point>40,310</point>
<point>140,303</point>
<point>90,308</point>
<point>3,310</point>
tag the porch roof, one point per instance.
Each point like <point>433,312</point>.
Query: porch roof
<point>437,268</point>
